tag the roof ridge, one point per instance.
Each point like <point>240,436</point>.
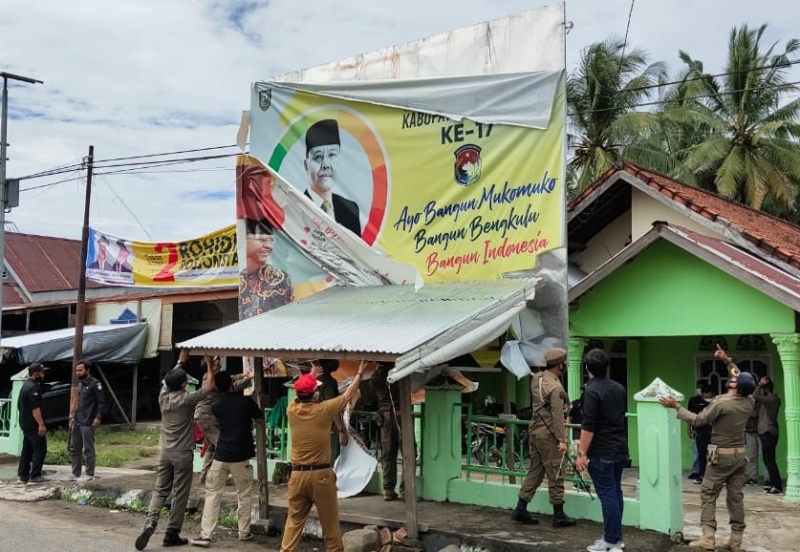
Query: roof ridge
<point>709,193</point>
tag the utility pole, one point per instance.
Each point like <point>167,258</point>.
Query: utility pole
<point>80,308</point>
<point>3,200</point>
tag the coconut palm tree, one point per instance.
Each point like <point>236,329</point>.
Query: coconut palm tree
<point>602,97</point>
<point>748,149</point>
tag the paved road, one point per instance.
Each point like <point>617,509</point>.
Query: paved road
<point>54,525</point>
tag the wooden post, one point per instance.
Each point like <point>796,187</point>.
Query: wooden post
<point>135,394</point>
<point>113,395</point>
<point>261,442</point>
<point>80,307</point>
<point>409,457</point>
<point>510,428</point>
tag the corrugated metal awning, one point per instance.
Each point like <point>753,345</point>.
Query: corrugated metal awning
<point>117,343</point>
<point>415,329</point>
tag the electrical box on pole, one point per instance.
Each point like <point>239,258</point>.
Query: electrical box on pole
<point>11,193</point>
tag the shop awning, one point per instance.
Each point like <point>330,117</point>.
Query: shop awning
<point>122,344</point>
<point>416,329</point>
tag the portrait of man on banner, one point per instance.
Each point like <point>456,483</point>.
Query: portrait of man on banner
<point>323,149</point>
<point>262,286</point>
<point>101,261</point>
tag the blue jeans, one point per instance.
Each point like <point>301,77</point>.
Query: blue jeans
<point>695,459</point>
<point>607,479</point>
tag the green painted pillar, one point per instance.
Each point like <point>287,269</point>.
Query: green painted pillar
<point>441,441</point>
<point>14,445</point>
<point>660,484</point>
<point>789,350</point>
<point>575,348</point>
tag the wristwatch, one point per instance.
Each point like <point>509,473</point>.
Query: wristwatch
<point>581,453</point>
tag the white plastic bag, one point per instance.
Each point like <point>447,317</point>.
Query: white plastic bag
<point>354,466</point>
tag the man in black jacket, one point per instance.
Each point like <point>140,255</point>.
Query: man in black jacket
<point>85,420</point>
<point>603,447</point>
<point>34,432</point>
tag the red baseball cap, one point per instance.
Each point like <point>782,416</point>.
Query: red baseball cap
<point>306,384</point>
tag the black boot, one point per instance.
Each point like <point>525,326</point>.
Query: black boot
<point>560,519</point>
<point>144,538</point>
<point>173,538</point>
<point>520,514</point>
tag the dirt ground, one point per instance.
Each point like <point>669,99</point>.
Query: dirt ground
<point>91,520</point>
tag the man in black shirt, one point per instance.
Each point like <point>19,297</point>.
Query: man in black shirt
<point>85,420</point>
<point>701,434</point>
<point>603,447</point>
<point>235,448</point>
<point>329,389</point>
<point>34,432</point>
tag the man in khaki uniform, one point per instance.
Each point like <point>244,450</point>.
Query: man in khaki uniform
<point>727,454</point>
<point>313,482</point>
<point>176,444</point>
<point>548,440</point>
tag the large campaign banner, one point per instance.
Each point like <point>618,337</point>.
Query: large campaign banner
<point>459,198</point>
<point>209,260</point>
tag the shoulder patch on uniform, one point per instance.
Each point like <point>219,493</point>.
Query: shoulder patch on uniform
<point>99,386</point>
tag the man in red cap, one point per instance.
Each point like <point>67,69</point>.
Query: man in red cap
<point>312,481</point>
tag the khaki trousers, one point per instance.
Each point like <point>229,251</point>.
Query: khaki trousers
<point>307,488</point>
<point>242,473</point>
<point>210,428</point>
<point>729,472</point>
<point>545,459</point>
<point>174,476</point>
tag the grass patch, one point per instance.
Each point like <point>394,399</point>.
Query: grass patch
<point>229,519</point>
<point>113,447</point>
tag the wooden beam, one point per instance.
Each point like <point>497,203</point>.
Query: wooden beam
<point>261,442</point>
<point>135,394</point>
<point>409,457</point>
<point>113,395</point>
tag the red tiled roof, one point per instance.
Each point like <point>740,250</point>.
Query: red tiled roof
<point>44,263</point>
<point>774,236</point>
<point>11,296</point>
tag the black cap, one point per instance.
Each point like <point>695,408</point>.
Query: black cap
<point>36,367</point>
<point>322,133</point>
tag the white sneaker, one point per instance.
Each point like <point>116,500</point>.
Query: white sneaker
<point>71,477</point>
<point>85,478</point>
<point>602,546</point>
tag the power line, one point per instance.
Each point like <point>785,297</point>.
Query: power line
<point>127,208</point>
<point>166,153</point>
<point>625,42</point>
<point>701,96</point>
<point>49,184</point>
<point>715,76</point>
<point>132,165</point>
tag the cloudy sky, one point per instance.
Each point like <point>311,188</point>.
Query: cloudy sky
<point>153,76</point>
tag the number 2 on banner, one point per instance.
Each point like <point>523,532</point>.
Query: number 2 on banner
<point>166,274</point>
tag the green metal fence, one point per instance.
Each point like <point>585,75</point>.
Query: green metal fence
<point>365,424</point>
<point>497,448</point>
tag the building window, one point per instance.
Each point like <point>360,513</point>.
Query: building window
<point>715,373</point>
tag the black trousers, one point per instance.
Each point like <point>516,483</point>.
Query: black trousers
<point>31,459</point>
<point>702,440</point>
<point>769,442</point>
